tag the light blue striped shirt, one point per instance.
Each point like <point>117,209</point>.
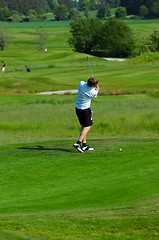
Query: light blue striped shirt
<point>85,95</point>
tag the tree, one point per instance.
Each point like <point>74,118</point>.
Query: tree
<point>52,4</point>
<point>83,4</point>
<point>104,11</point>
<point>32,14</point>
<point>85,33</point>
<point>154,38</point>
<point>41,38</point>
<point>73,13</point>
<point>112,3</point>
<point>93,4</point>
<point>4,14</point>
<point>3,4</point>
<point>60,12</point>
<point>23,6</point>
<point>15,15</point>
<point>116,39</point>
<point>155,9</point>
<point>5,38</point>
<point>120,12</point>
<point>67,3</point>
<point>133,6</point>
<point>143,11</point>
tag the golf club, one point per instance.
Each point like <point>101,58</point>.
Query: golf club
<point>90,66</point>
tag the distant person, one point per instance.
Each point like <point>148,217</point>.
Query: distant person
<point>3,66</point>
<point>27,68</point>
<point>86,91</point>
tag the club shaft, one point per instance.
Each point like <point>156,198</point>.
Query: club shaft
<point>90,67</point>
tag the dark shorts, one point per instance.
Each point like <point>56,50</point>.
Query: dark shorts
<point>84,116</point>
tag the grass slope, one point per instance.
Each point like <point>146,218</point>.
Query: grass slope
<point>52,191</point>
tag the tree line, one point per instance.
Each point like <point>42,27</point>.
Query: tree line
<point>135,7</point>
<point>68,9</point>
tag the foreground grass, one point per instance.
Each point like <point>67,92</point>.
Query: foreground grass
<point>50,191</point>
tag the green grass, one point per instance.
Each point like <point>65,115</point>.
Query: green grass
<point>52,192</point>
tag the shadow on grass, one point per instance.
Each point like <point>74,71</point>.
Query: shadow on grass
<point>41,148</point>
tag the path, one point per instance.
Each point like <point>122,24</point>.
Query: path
<point>59,92</point>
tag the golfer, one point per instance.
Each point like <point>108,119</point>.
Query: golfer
<point>27,68</point>
<point>3,66</point>
<point>86,91</point>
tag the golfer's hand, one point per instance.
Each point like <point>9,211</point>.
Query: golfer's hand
<point>97,88</point>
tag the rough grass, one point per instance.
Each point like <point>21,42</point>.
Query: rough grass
<point>29,118</point>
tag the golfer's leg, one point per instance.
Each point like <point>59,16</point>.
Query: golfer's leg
<point>83,134</point>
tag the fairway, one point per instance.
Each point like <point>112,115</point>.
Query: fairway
<point>48,190</point>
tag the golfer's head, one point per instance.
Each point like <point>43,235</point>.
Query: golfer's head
<point>92,82</point>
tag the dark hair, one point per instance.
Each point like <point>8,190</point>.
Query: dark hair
<point>92,82</point>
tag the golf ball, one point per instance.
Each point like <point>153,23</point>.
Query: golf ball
<point>119,149</point>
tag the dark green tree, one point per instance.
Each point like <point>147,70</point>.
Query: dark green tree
<point>73,14</point>
<point>3,4</point>
<point>155,9</point>
<point>116,39</point>
<point>83,4</point>
<point>120,12</point>
<point>143,11</point>
<point>93,4</point>
<point>104,11</point>
<point>60,12</point>
<point>68,3</point>
<point>85,34</point>
<point>4,14</point>
<point>23,6</point>
<point>52,4</point>
<point>112,3</point>
<point>133,6</point>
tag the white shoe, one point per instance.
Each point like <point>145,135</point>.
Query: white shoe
<point>78,147</point>
<point>87,148</point>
